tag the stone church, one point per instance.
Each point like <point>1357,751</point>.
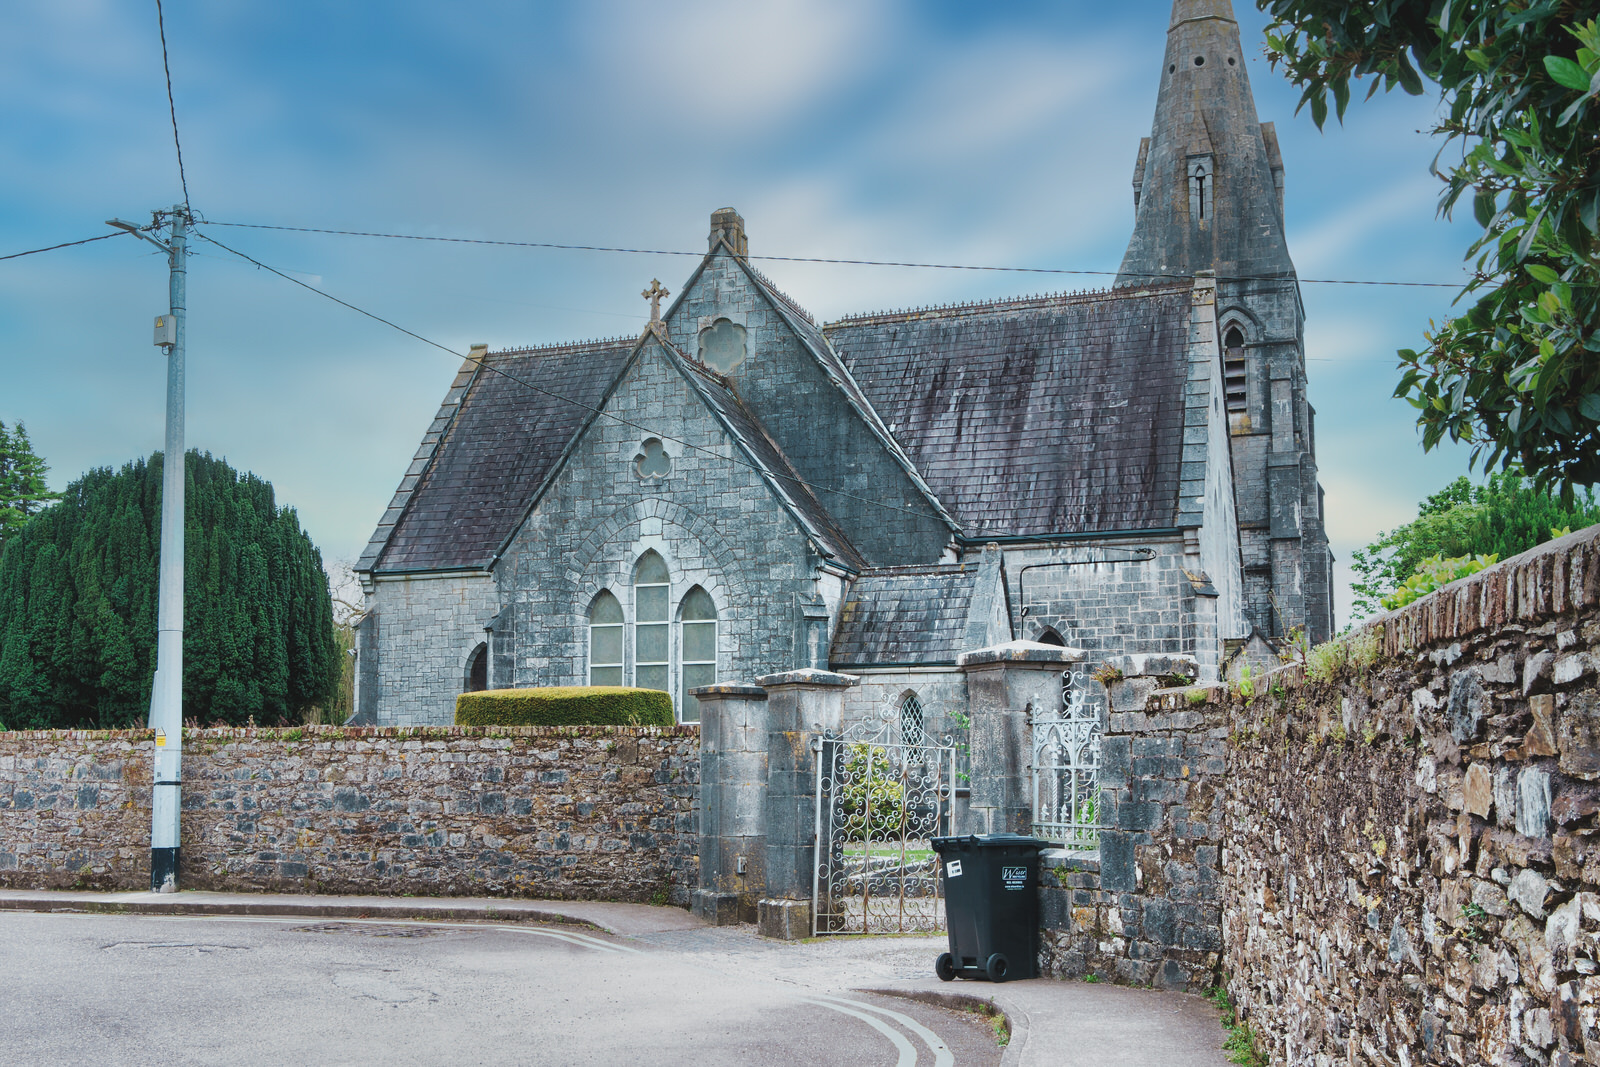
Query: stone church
<point>742,490</point>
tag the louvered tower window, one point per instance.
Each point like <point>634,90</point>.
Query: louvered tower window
<point>1233,376</point>
<point>697,622</point>
<point>605,641</point>
<point>651,665</point>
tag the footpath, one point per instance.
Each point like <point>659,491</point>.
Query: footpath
<point>1055,1023</point>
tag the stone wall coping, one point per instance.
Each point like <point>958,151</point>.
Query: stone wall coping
<point>729,689</point>
<point>808,677</point>
<point>1068,860</point>
<point>354,733</point>
<point>1156,665</point>
<point>1021,654</point>
<point>1554,578</point>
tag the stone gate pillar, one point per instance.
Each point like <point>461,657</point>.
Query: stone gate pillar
<point>801,706</point>
<point>1005,684</point>
<point>733,785</point>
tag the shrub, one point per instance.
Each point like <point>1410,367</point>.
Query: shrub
<point>872,801</point>
<point>569,705</point>
<point>1435,573</point>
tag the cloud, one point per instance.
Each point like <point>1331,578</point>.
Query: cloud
<point>728,61</point>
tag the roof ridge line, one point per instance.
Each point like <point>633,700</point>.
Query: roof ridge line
<point>1005,303</point>
<point>569,346</point>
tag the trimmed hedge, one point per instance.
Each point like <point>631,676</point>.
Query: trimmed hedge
<point>566,705</point>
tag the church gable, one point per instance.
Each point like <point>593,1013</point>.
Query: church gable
<point>668,467</point>
<point>774,359</point>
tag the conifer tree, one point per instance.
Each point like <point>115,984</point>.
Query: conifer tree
<point>23,490</point>
<point>78,604</point>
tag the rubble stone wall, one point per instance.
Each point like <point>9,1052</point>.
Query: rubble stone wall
<point>1410,850</point>
<point>1147,909</point>
<point>591,812</point>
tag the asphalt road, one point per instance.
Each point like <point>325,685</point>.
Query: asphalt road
<point>113,990</point>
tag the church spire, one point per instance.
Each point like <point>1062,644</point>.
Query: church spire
<point>1209,180</point>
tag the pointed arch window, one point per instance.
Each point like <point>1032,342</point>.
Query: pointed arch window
<point>912,731</point>
<point>1234,382</point>
<point>605,641</point>
<point>1201,180</point>
<point>697,622</point>
<point>652,665</point>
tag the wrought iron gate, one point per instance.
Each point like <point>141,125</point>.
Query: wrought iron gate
<point>883,790</point>
<point>1066,770</point>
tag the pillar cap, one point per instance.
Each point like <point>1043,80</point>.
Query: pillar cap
<point>729,689</point>
<point>1022,654</point>
<point>809,676</point>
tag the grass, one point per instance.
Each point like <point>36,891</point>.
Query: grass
<point>996,1019</point>
<point>1241,1044</point>
<point>913,855</point>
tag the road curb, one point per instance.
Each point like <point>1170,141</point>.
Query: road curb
<point>1016,1018</point>
<point>419,912</point>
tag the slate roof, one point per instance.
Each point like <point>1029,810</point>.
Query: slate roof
<point>511,425</point>
<point>905,615</point>
<point>1048,415</point>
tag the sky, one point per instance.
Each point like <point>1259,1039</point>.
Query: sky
<point>990,134</point>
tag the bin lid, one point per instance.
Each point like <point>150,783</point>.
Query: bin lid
<point>1006,840</point>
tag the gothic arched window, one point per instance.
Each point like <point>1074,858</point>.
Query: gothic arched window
<point>1234,382</point>
<point>1201,181</point>
<point>697,622</point>
<point>1051,637</point>
<point>911,725</point>
<point>605,641</point>
<point>652,665</point>
<point>478,669</point>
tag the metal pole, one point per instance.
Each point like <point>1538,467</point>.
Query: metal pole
<point>166,707</point>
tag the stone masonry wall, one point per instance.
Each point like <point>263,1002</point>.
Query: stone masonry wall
<point>1147,909</point>
<point>1411,849</point>
<point>591,812</point>
<point>427,627</point>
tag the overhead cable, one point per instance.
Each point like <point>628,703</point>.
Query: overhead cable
<point>166,66</point>
<point>486,365</point>
<point>804,259</point>
<point>66,244</point>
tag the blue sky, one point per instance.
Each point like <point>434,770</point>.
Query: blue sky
<point>950,132</point>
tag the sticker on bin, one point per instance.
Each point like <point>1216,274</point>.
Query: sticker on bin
<point>1014,877</point>
<point>952,869</point>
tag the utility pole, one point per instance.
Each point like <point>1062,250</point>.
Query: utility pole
<point>166,701</point>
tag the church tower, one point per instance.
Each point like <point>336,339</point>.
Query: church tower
<point>1208,195</point>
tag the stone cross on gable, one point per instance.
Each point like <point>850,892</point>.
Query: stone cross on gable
<point>654,295</point>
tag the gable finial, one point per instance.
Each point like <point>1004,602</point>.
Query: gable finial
<point>654,295</point>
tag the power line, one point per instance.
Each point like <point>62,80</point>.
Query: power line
<point>67,244</point>
<point>485,365</point>
<point>800,259</point>
<point>161,25</point>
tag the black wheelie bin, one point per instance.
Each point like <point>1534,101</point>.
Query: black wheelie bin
<point>991,905</point>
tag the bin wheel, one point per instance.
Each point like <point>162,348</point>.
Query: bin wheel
<point>945,967</point>
<point>997,967</point>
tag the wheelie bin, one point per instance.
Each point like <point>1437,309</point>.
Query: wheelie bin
<point>991,905</point>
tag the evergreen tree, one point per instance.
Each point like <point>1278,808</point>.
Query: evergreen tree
<point>78,604</point>
<point>1503,517</point>
<point>23,491</point>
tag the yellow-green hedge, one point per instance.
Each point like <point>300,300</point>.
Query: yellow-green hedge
<point>565,705</point>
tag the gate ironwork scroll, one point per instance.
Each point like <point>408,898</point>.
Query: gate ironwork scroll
<point>1066,770</point>
<point>884,789</point>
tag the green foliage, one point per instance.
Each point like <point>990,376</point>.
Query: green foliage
<point>1435,573</point>
<point>1241,1043</point>
<point>1517,375</point>
<point>1246,686</point>
<point>871,798</point>
<point>1107,673</point>
<point>1197,695</point>
<point>78,604</point>
<point>1503,517</point>
<point>23,491</point>
<point>565,705</point>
